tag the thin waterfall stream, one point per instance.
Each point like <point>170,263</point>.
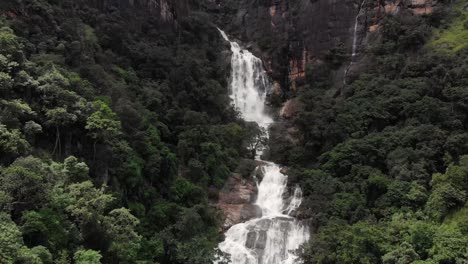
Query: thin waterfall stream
<point>274,237</point>
<point>355,37</point>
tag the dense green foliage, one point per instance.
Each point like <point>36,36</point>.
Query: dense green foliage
<point>116,133</point>
<point>113,131</point>
<point>390,181</point>
<point>453,36</point>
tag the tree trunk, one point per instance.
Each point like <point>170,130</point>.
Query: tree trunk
<point>57,139</point>
<point>68,145</point>
<point>94,150</point>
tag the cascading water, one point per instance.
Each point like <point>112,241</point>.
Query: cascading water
<point>355,38</point>
<point>274,237</point>
<point>356,24</point>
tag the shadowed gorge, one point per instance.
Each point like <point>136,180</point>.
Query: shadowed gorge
<point>305,132</point>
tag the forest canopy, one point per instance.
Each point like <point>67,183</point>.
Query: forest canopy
<point>113,131</point>
<point>117,133</point>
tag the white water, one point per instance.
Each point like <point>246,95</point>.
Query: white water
<point>249,83</point>
<point>355,38</point>
<point>274,237</point>
<point>356,24</point>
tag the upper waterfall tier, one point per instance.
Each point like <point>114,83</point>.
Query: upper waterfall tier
<point>249,84</point>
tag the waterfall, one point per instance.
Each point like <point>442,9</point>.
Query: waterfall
<point>356,24</point>
<point>274,237</point>
<point>249,84</point>
<point>355,38</point>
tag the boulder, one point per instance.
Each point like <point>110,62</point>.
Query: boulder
<point>236,200</point>
<point>291,108</point>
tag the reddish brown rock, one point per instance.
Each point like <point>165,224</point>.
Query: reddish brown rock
<point>272,11</point>
<point>420,7</point>
<point>422,10</point>
<point>236,200</point>
<point>418,2</point>
<point>390,8</point>
<point>373,28</point>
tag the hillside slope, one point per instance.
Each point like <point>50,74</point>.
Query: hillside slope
<point>117,133</point>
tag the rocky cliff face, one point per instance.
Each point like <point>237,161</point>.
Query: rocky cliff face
<point>289,35</point>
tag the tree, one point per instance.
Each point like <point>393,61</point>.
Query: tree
<point>103,124</point>
<point>403,254</point>
<point>341,243</point>
<point>125,241</point>
<point>30,129</point>
<point>87,208</point>
<point>6,83</point>
<point>443,198</point>
<point>88,256</point>
<point>5,202</point>
<point>49,228</point>
<point>26,256</point>
<point>74,170</point>
<point>24,181</point>
<point>12,143</point>
<point>43,253</point>
<point>4,64</point>
<point>449,190</point>
<point>421,237</point>
<point>450,245</point>
<point>13,111</point>
<point>9,44</point>
<point>53,85</point>
<point>86,203</point>
<point>183,191</point>
<point>256,138</point>
<point>10,239</point>
<point>59,117</point>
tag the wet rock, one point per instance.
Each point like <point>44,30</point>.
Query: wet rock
<point>236,200</point>
<point>238,213</point>
<point>251,239</point>
<point>256,239</point>
<point>250,211</point>
<point>238,190</point>
<point>284,170</point>
<point>260,162</point>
